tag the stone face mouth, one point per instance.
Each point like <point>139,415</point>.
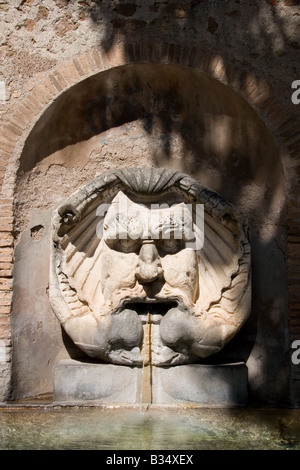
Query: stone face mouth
<point>151,307</point>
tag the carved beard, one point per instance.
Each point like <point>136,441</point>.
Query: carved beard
<point>168,340</point>
<point>121,327</point>
<point>121,338</point>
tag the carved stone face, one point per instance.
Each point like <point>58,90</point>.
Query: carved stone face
<point>130,288</point>
<point>145,266</point>
<point>144,258</point>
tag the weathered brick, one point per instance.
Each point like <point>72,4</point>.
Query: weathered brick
<point>130,52</point>
<point>5,204</point>
<point>259,97</point>
<point>91,61</point>
<point>97,58</point>
<point>6,212</point>
<point>294,293</point>
<point>291,3</point>
<point>294,324</point>
<point>292,219</point>
<point>292,138</point>
<point>156,51</point>
<point>295,154</point>
<point>5,266</point>
<point>13,129</point>
<point>5,286</point>
<point>7,251</point>
<point>61,79</point>
<point>177,54</point>
<point>45,92</point>
<point>144,52</point>
<point>49,87</point>
<point>294,305</point>
<point>4,319</point>
<point>4,302</point>
<point>73,71</point>
<point>84,64</point>
<point>187,54</point>
<point>273,2</point>
<point>53,79</point>
<point>5,257</point>
<point>292,260</point>
<point>19,120</point>
<point>216,66</point>
<point>78,67</point>
<point>65,73</point>
<point>179,13</point>
<point>293,250</point>
<point>6,236</point>
<point>27,112</point>
<point>164,53</point>
<point>5,331</point>
<point>41,94</point>
<point>9,136</point>
<point>6,220</point>
<point>294,314</point>
<point>4,158</point>
<point>292,268</point>
<point>6,146</point>
<point>5,272</point>
<point>33,104</point>
<point>186,50</point>
<point>289,127</point>
<point>198,59</point>
<point>6,243</point>
<point>119,55</point>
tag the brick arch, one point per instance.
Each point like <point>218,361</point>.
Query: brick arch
<point>48,86</point>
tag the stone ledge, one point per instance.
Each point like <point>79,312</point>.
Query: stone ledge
<point>222,384</point>
<point>74,380</point>
<point>195,384</point>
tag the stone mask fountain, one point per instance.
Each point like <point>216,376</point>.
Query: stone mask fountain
<point>150,275</point>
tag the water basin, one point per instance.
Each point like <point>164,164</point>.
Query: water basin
<point>148,428</point>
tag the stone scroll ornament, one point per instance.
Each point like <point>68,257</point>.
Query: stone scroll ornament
<point>149,252</point>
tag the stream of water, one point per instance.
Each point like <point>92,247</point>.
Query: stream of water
<point>145,395</point>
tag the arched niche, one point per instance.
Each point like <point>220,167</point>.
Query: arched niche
<point>150,115</point>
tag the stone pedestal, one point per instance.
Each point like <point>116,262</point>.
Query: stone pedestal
<point>187,384</point>
<point>106,383</point>
<point>224,384</point>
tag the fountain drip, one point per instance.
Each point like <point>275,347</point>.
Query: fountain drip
<point>146,376</point>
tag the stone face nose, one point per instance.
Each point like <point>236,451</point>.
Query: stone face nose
<point>149,266</point>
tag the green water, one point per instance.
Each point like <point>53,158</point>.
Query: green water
<point>153,429</point>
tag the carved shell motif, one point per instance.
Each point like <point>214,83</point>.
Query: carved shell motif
<point>223,262</point>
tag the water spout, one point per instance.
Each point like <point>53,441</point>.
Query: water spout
<point>145,393</point>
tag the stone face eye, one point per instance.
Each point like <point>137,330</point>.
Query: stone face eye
<point>170,245</point>
<point>126,245</point>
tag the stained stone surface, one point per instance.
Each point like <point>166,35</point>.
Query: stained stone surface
<point>225,384</point>
<point>74,380</point>
<point>188,384</point>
